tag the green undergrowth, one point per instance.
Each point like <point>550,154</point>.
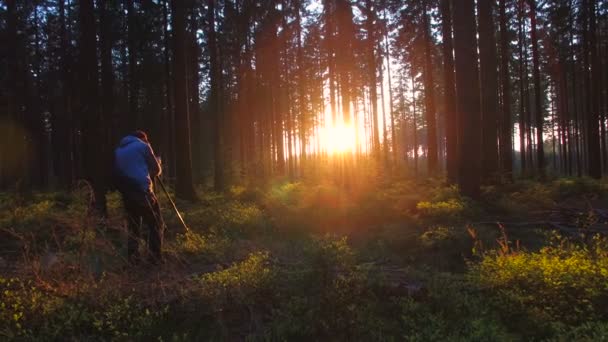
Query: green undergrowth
<point>374,261</point>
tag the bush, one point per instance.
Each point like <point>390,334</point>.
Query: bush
<point>210,247</point>
<point>523,197</point>
<point>564,282</point>
<point>226,215</point>
<point>241,286</point>
<point>443,211</point>
<point>326,297</point>
<point>29,313</point>
<point>452,310</point>
<point>572,187</point>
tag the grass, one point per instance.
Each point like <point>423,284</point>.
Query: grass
<point>398,260</point>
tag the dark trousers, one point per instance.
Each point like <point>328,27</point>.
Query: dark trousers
<point>144,212</point>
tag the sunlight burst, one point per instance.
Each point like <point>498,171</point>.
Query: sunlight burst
<point>339,138</point>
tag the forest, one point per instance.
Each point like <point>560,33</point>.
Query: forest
<point>368,170</point>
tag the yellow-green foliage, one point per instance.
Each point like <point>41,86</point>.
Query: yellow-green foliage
<point>26,215</point>
<point>20,303</point>
<point>445,210</point>
<point>299,206</point>
<point>565,282</point>
<point>445,204</point>
<point>586,332</point>
<point>226,214</point>
<point>325,206</point>
<point>437,236</point>
<point>452,311</point>
<point>29,313</point>
<point>243,284</point>
<point>210,246</point>
<point>526,197</point>
<point>571,187</point>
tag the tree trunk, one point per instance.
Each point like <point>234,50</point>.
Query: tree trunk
<point>593,136</point>
<point>506,136</point>
<point>183,155</point>
<point>538,96</point>
<point>214,97</point>
<point>373,84</point>
<point>415,126</point>
<point>92,125</point>
<point>107,78</point>
<point>193,98</point>
<point>167,138</point>
<point>522,93</point>
<point>429,99</point>
<point>468,101</point>
<point>390,98</point>
<point>489,88</point>
<point>449,94</point>
<point>133,115</point>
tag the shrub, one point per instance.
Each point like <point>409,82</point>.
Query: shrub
<point>210,247</point>
<point>326,296</point>
<point>520,197</point>
<point>241,286</point>
<point>228,216</point>
<point>564,282</point>
<point>452,310</point>
<point>443,211</point>
<point>571,187</point>
<point>29,313</point>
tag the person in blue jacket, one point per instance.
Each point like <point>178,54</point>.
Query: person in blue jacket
<point>135,167</point>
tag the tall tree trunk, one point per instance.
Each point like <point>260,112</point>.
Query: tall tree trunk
<point>107,76</point>
<point>61,120</point>
<point>193,98</point>
<point>133,119</point>
<point>329,9</point>
<point>468,102</point>
<point>92,125</point>
<point>415,126</point>
<point>390,98</point>
<point>214,98</point>
<point>449,93</point>
<point>429,98</point>
<point>373,84</point>
<point>489,88</point>
<point>593,136</point>
<point>506,136</point>
<point>301,89</point>
<point>538,96</point>
<point>167,138</point>
<point>522,93</point>
<point>184,187</point>
<point>8,136</point>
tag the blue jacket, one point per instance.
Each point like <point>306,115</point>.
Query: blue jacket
<point>135,165</point>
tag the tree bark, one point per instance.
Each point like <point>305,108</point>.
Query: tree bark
<point>429,98</point>
<point>92,125</point>
<point>506,136</point>
<point>133,115</point>
<point>184,187</point>
<point>468,101</point>
<point>593,136</point>
<point>193,98</point>
<point>489,88</point>
<point>373,84</point>
<point>449,94</point>
<point>538,96</point>
<point>214,97</point>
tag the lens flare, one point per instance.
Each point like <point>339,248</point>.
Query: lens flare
<point>339,138</point>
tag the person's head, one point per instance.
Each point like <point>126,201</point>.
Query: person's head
<point>140,135</point>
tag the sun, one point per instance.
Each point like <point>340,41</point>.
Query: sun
<point>339,138</point>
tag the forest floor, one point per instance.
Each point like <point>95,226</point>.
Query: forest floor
<point>378,260</point>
